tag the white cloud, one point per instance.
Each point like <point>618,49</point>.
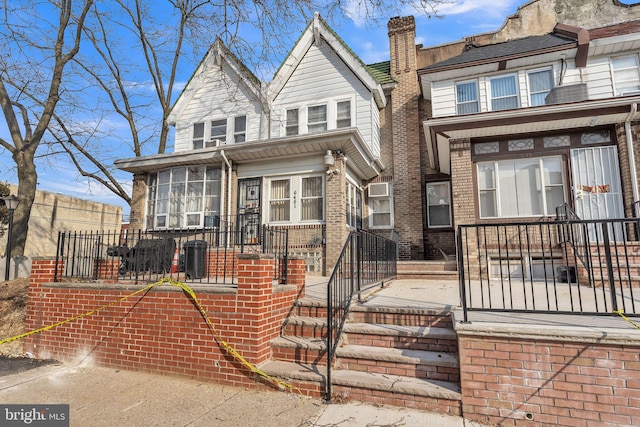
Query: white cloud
<point>488,8</point>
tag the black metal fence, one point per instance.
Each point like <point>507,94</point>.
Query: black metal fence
<point>366,260</point>
<point>566,266</point>
<point>205,255</point>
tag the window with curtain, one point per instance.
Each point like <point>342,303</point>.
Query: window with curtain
<point>540,83</point>
<point>438,204</point>
<point>198,135</point>
<point>311,199</point>
<point>240,129</point>
<point>467,101</point>
<point>504,92</point>
<point>626,74</point>
<point>522,187</point>
<point>183,197</point>
<point>317,118</point>
<point>343,113</point>
<point>280,200</point>
<point>292,122</point>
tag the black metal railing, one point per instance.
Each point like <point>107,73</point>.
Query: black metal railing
<point>366,261</point>
<point>275,241</point>
<point>205,255</point>
<point>569,266</point>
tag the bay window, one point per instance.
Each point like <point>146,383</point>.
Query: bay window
<point>520,187</point>
<point>183,197</point>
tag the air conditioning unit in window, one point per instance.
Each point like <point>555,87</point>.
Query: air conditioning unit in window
<point>379,189</point>
<point>216,143</point>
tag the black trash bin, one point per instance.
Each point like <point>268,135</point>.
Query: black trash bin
<point>195,259</point>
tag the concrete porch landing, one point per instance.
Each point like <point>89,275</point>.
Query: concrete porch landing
<point>444,295</point>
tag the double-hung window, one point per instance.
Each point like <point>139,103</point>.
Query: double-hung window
<point>240,129</point>
<point>317,118</point>
<point>292,125</point>
<point>354,205</point>
<point>467,101</point>
<point>343,114</point>
<point>438,204</point>
<point>198,135</point>
<point>380,205</point>
<point>626,74</point>
<point>520,187</point>
<point>218,131</point>
<point>296,199</point>
<point>540,83</point>
<point>504,92</point>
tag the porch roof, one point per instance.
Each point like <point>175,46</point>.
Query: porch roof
<point>584,114</point>
<point>349,140</point>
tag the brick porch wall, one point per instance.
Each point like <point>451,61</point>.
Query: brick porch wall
<point>162,331</point>
<point>520,380</point>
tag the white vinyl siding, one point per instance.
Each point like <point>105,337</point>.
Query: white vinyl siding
<point>219,97</point>
<point>322,77</point>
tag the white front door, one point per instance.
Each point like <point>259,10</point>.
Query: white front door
<point>596,185</point>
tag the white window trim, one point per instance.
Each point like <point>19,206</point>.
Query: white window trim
<point>455,95</point>
<point>490,95</point>
<point>352,183</point>
<point>499,196</point>
<point>295,185</point>
<point>613,72</point>
<point>391,210</point>
<point>528,83</point>
<point>448,204</point>
<point>229,134</point>
<point>332,113</point>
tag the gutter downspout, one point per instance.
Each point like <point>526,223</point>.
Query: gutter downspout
<point>632,160</point>
<point>228,162</point>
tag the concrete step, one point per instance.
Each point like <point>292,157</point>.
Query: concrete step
<point>299,350</point>
<point>304,326</point>
<point>403,337</point>
<point>428,270</point>
<point>393,390</point>
<point>440,317</point>
<point>395,361</point>
<point>309,307</point>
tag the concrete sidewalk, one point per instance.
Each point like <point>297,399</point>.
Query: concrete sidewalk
<point>109,397</point>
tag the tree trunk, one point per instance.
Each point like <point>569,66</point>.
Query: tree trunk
<point>27,182</point>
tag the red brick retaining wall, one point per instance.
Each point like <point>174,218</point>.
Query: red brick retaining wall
<point>520,381</point>
<point>162,331</point>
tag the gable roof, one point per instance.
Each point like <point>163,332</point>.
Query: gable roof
<point>317,31</point>
<point>216,56</point>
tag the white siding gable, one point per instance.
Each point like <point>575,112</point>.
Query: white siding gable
<point>321,77</point>
<point>221,94</point>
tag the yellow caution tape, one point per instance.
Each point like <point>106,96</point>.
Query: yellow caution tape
<point>202,311</point>
<point>619,312</point>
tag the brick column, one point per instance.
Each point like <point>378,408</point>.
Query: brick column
<point>336,223</point>
<point>297,274</point>
<point>138,201</point>
<point>407,183</point>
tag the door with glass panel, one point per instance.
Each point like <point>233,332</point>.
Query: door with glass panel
<point>597,189</point>
<point>249,218</point>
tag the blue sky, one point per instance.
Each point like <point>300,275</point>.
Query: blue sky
<point>370,42</point>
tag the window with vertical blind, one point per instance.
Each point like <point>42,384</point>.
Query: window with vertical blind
<point>540,83</point>
<point>296,199</point>
<point>183,197</point>
<point>467,101</point>
<point>504,92</point>
<point>520,187</point>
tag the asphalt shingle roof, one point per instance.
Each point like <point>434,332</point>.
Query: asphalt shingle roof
<point>381,71</point>
<point>496,51</point>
